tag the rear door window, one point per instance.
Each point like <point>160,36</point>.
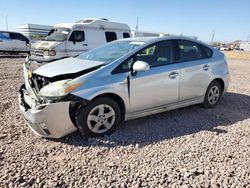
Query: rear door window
<point>208,52</point>
<point>189,50</point>
<point>110,36</point>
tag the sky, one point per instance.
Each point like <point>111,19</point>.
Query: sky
<point>230,19</point>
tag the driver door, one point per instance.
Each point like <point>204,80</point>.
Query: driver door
<point>159,85</point>
<point>76,43</point>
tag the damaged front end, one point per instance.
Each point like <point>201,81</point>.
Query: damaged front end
<point>47,105</point>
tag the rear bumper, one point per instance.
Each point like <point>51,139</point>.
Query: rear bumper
<point>52,121</point>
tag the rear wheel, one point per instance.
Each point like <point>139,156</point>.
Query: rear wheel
<point>100,117</point>
<point>213,95</point>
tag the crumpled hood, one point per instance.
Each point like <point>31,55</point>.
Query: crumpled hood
<point>66,66</point>
<point>45,44</point>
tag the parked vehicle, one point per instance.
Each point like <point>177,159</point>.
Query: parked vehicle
<point>13,42</point>
<point>245,46</point>
<point>237,48</point>
<point>66,40</point>
<point>224,48</point>
<point>119,81</point>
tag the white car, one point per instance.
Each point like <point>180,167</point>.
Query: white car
<point>13,42</point>
<point>223,48</point>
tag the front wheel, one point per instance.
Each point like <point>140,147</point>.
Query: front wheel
<point>213,95</point>
<point>100,117</point>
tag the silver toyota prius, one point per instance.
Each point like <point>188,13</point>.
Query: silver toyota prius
<point>119,81</point>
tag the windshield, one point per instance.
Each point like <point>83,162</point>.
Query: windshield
<point>110,52</point>
<point>57,34</point>
<point>4,37</point>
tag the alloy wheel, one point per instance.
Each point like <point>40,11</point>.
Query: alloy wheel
<point>101,118</point>
<point>214,94</point>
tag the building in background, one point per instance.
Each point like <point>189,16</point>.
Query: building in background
<point>157,34</point>
<point>187,36</point>
<point>144,34</point>
<point>34,31</point>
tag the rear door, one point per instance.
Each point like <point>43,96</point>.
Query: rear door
<point>77,43</point>
<point>195,70</point>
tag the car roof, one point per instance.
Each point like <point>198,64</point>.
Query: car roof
<point>149,40</point>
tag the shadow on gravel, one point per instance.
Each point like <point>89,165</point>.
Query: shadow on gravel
<point>232,108</point>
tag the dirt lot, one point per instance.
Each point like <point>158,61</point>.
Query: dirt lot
<point>240,55</point>
<point>190,147</point>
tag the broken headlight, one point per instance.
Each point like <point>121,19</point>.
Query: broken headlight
<point>59,88</point>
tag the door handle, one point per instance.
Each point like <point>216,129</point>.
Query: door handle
<point>173,75</point>
<point>205,67</point>
<point>85,44</point>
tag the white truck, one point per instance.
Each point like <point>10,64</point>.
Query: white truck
<point>71,39</point>
<point>245,46</point>
<point>13,42</point>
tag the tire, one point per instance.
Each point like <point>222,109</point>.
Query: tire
<point>99,117</point>
<point>209,100</point>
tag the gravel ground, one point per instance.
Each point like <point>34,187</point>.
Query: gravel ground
<point>190,147</point>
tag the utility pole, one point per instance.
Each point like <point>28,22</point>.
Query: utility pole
<point>6,20</point>
<point>212,37</point>
<point>137,24</point>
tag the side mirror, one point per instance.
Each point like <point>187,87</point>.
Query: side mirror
<point>140,66</point>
